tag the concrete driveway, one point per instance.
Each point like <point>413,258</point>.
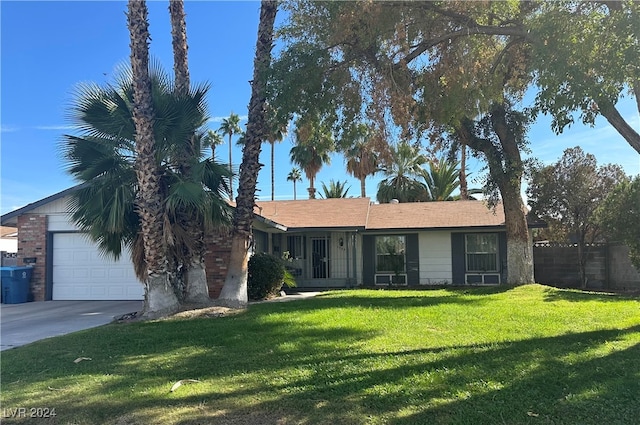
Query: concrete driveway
<point>22,324</point>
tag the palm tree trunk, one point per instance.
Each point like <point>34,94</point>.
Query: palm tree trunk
<point>180,48</point>
<point>294,190</point>
<point>230,172</point>
<point>311,189</point>
<point>197,290</point>
<point>234,291</point>
<point>363,189</point>
<point>273,179</point>
<point>464,191</point>
<point>160,299</point>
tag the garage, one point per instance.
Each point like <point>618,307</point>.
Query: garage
<point>81,272</point>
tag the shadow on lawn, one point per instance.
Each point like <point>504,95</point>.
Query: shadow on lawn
<point>383,299</point>
<point>314,375</point>
<point>576,295</point>
<point>323,379</point>
<point>528,381</point>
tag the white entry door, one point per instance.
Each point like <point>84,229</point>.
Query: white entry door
<point>81,272</point>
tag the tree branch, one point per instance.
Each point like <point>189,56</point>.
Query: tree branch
<point>609,111</point>
<point>480,29</point>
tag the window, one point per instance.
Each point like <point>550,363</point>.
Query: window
<point>390,254</point>
<point>482,252</point>
<point>296,247</point>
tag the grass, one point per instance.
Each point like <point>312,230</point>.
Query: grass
<point>525,355</point>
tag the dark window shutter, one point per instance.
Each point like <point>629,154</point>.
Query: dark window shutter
<point>457,258</point>
<point>368,260</point>
<point>413,260</point>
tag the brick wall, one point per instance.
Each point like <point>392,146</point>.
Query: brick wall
<point>216,260</point>
<point>32,243</point>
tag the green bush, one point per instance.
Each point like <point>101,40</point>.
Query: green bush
<point>267,273</point>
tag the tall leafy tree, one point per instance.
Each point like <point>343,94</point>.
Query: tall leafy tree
<point>461,65</point>
<point>314,143</point>
<point>619,215</point>
<point>159,296</point>
<point>294,176</point>
<point>360,155</point>
<point>336,189</point>
<point>230,127</point>
<point>569,192</point>
<point>103,157</point>
<point>586,57</point>
<point>234,291</point>
<point>403,174</point>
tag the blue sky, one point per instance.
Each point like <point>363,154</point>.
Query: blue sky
<point>48,47</point>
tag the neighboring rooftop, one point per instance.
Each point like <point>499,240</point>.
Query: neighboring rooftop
<point>434,215</point>
<point>317,213</point>
<point>362,214</point>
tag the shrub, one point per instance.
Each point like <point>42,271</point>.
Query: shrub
<point>267,273</point>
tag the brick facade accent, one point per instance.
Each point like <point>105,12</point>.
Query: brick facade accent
<point>216,260</point>
<point>32,243</point>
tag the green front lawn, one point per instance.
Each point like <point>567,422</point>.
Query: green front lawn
<point>528,355</point>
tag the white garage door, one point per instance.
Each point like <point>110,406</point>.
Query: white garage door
<point>80,272</point>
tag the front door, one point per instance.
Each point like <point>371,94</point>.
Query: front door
<point>320,258</point>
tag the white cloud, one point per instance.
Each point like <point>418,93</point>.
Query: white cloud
<point>56,127</point>
<point>219,119</point>
<point>8,129</point>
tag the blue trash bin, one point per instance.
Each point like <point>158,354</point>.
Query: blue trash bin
<point>16,283</point>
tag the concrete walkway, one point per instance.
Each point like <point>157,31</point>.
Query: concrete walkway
<point>24,323</point>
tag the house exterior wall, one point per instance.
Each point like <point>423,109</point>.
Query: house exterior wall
<point>435,258</point>
<point>32,244</point>
<point>344,267</point>
<point>216,260</point>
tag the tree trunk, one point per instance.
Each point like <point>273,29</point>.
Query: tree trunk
<point>159,296</point>
<point>363,189</point>
<point>464,191</point>
<point>234,291</point>
<point>197,290</point>
<point>519,243</point>
<point>311,189</point>
<point>506,169</point>
<point>294,190</point>
<point>180,48</point>
<point>230,172</point>
<point>273,178</point>
<point>159,299</point>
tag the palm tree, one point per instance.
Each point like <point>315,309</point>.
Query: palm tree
<point>197,289</point>
<point>362,160</point>
<point>294,176</point>
<point>234,291</point>
<point>336,189</point>
<point>314,143</point>
<point>442,179</point>
<point>230,126</point>
<point>104,158</point>
<point>402,172</point>
<point>212,139</point>
<point>159,297</point>
<point>277,131</point>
